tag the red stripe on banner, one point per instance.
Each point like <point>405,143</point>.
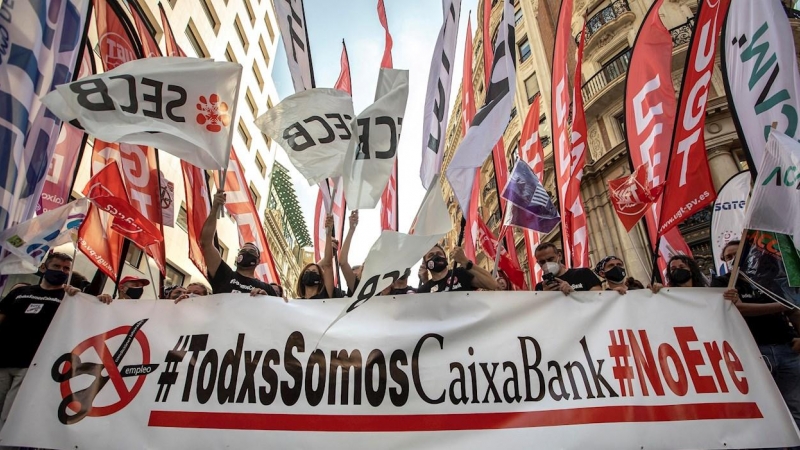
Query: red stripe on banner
<point>451,422</point>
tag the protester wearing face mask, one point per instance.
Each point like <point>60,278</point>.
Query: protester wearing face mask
<point>25,315</point>
<point>768,322</point>
<point>401,287</point>
<point>613,270</point>
<point>558,278</point>
<point>223,279</point>
<point>683,271</point>
<point>466,277</point>
<point>132,288</point>
<point>316,280</point>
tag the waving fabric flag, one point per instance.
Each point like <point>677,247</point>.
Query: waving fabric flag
<point>527,194</point>
<point>37,56</point>
<point>689,186</point>
<point>532,153</point>
<point>291,18</point>
<point>632,196</point>
<point>576,216</point>
<point>491,120</point>
<point>437,97</point>
<point>31,240</point>
<point>386,61</point>
<point>490,245</point>
<point>467,113</point>
<point>390,197</point>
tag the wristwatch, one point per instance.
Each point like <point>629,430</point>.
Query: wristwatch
<point>469,265</point>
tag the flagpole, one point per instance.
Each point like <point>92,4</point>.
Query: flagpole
<point>150,271</point>
<point>160,226</point>
<point>74,237</point>
<point>337,269</point>
<point>126,244</point>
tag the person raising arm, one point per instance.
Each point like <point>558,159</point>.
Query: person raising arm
<point>352,275</point>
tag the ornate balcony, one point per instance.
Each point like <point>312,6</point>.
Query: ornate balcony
<point>682,34</point>
<point>605,16</point>
<point>614,69</point>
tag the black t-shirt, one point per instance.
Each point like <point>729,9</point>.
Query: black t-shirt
<point>403,291</point>
<point>769,329</point>
<point>462,281</point>
<point>28,312</point>
<point>323,294</point>
<point>581,279</point>
<point>225,281</point>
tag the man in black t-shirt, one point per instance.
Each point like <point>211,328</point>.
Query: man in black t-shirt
<point>401,287</point>
<point>466,277</point>
<point>223,279</point>
<point>25,315</point>
<point>558,278</point>
<point>613,270</point>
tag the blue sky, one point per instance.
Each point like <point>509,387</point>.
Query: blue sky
<point>414,25</point>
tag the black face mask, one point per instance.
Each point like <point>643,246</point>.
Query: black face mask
<point>135,292</point>
<point>615,274</point>
<point>55,277</point>
<point>311,279</point>
<point>680,276</point>
<point>436,264</point>
<point>245,260</point>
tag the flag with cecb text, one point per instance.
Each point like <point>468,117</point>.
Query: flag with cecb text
<point>184,106</point>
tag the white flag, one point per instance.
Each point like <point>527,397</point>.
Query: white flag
<point>30,241</point>
<point>775,203</point>
<point>184,106</point>
<point>728,215</point>
<point>761,68</point>
<point>370,157</point>
<point>292,23</point>
<point>491,120</point>
<point>437,97</point>
<point>313,127</point>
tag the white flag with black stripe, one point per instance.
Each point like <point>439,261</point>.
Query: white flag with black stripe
<point>491,120</point>
<point>292,23</point>
<point>437,98</point>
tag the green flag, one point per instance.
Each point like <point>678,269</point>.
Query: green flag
<point>791,259</point>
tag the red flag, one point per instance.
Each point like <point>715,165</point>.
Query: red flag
<point>650,116</point>
<point>508,265</point>
<point>389,199</point>
<point>467,113</point>
<point>150,47</point>
<point>575,219</point>
<point>239,204</point>
<point>531,152</point>
<point>344,83</point>
<point>632,196</point>
<point>106,191</point>
<point>488,48</point>
<point>689,187</point>
<point>198,203</point>
<point>386,62</point>
<point>558,113</point>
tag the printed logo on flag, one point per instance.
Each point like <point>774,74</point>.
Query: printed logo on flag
<point>75,368</point>
<point>213,113</point>
<point>118,50</point>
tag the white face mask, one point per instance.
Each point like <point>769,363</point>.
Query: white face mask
<point>552,267</point>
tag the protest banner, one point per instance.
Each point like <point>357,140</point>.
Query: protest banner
<point>677,369</point>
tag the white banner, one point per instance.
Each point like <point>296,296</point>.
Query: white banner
<point>313,127</point>
<point>762,75</point>
<point>184,106</point>
<point>371,156</point>
<point>291,18</point>
<point>437,97</point>
<point>727,217</point>
<point>678,369</point>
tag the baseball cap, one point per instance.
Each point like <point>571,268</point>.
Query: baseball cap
<point>144,281</point>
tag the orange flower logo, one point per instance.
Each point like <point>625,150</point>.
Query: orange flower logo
<point>213,113</point>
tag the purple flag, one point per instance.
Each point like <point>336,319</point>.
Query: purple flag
<point>531,207</point>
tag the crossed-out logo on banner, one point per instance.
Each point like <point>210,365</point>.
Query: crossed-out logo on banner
<point>92,361</point>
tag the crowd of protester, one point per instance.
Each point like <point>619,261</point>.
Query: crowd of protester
<point>27,310</point>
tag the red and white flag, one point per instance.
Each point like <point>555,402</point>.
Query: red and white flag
<point>650,118</point>
<point>576,216</point>
<point>467,113</point>
<point>389,198</point>
<point>532,153</point>
<point>632,196</point>
<point>510,266</point>
<point>386,61</point>
<point>562,151</point>
<point>689,186</point>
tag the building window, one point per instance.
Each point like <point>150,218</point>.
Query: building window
<point>199,47</point>
<point>172,3</point>
<point>262,168</point>
<point>211,14</point>
<point>134,256</point>
<point>145,19</point>
<point>183,217</point>
<point>221,248</point>
<point>620,119</point>
<point>174,277</point>
<point>267,140</point>
<point>531,87</point>
<point>513,157</point>
<point>244,134</point>
<point>517,16</point>
<point>249,9</point>
<point>264,53</point>
<point>259,77</point>
<point>269,28</point>
<point>272,203</point>
<point>251,103</point>
<point>524,49</point>
<point>254,195</point>
<point>240,33</point>
<point>229,54</point>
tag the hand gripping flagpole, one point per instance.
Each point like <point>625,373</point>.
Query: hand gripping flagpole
<point>337,270</point>
<point>460,242</point>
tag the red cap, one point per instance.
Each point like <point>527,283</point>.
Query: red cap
<point>145,282</point>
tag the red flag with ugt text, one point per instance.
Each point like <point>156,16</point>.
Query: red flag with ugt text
<point>239,204</point>
<point>632,196</point>
<point>489,244</point>
<point>530,149</point>
<point>689,186</point>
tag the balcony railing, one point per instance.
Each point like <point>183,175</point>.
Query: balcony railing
<point>605,16</point>
<point>614,69</point>
<point>682,34</point>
